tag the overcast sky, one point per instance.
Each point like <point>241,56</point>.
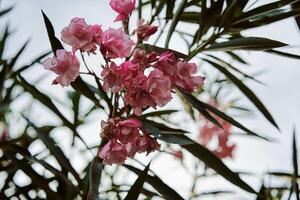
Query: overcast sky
<point>281,95</point>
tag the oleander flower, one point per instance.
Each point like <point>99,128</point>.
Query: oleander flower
<point>113,153</point>
<point>154,90</point>
<point>167,63</point>
<point>140,57</point>
<point>128,130</point>
<point>128,71</point>
<point>209,131</point>
<point>177,154</point>
<point>81,36</point>
<point>123,7</point>
<point>65,65</point>
<point>109,128</point>
<point>184,77</point>
<point>159,87</point>
<point>148,144</point>
<point>111,78</point>
<point>144,30</point>
<point>116,43</point>
<point>4,134</point>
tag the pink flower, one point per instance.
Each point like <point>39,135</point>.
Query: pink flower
<point>140,57</point>
<point>65,65</point>
<point>128,72</point>
<point>137,96</point>
<point>148,144</point>
<point>128,130</point>
<point>113,153</point>
<point>111,78</point>
<point>123,7</point>
<point>144,31</point>
<point>184,76</point>
<point>225,151</point>
<point>4,135</point>
<point>149,91</point>
<point>81,36</point>
<point>159,87</point>
<point>108,128</point>
<point>210,131</point>
<point>131,148</point>
<point>177,154</point>
<point>116,44</point>
<point>167,63</point>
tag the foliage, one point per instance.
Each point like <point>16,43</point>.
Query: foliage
<point>220,26</point>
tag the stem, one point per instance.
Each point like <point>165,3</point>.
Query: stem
<point>204,45</point>
<point>83,59</point>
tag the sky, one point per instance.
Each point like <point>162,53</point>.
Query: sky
<point>281,94</point>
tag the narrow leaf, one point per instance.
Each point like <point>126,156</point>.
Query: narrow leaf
<point>246,43</point>
<point>96,168</point>
<point>150,48</point>
<point>174,22</point>
<point>137,187</point>
<point>215,163</point>
<point>295,166</point>
<point>166,191</point>
<point>244,89</point>
<point>55,43</point>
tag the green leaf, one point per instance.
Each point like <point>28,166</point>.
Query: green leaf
<point>13,61</point>
<point>199,105</point>
<point>262,194</point>
<point>268,18</point>
<point>37,179</point>
<point>44,99</point>
<point>85,89</point>
<point>295,6</point>
<point>170,7</point>
<point>164,133</point>
<point>289,55</point>
<point>55,151</point>
<point>69,188</point>
<point>244,89</point>
<point>166,191</point>
<point>246,43</point>
<point>96,168</point>
<point>237,57</point>
<point>5,11</point>
<point>266,8</point>
<point>3,41</point>
<point>34,61</point>
<point>136,188</point>
<point>150,48</point>
<point>140,9</point>
<point>158,113</point>
<point>295,166</point>
<point>55,43</point>
<point>174,22</point>
<point>215,163</point>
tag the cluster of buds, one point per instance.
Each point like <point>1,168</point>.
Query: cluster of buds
<point>143,79</point>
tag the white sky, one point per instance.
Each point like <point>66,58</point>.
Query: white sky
<point>281,95</point>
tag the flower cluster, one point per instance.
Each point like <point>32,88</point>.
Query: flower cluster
<point>208,131</point>
<point>143,79</point>
<point>125,138</point>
